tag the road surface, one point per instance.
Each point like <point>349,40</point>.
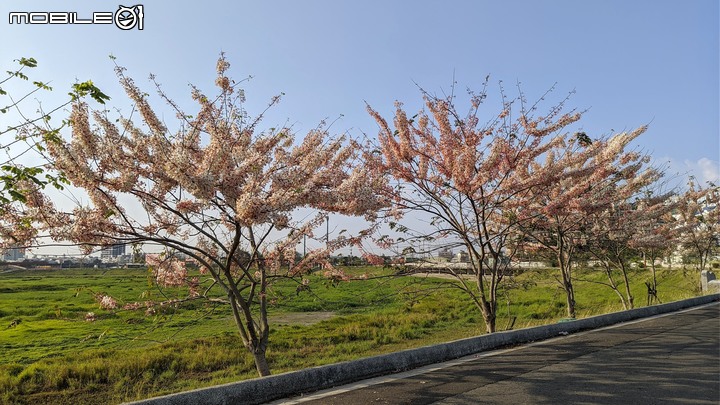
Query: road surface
<point>668,359</point>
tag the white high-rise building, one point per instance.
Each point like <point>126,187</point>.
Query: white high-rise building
<point>14,255</point>
<point>112,253</point>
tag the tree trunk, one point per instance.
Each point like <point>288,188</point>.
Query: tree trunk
<point>613,285</point>
<point>570,294</point>
<point>255,343</point>
<point>489,315</point>
<point>487,306</point>
<point>565,269</point>
<point>654,277</point>
<point>261,364</point>
<point>628,293</point>
<point>258,348</point>
<point>652,293</point>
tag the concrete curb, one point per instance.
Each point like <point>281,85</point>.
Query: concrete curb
<point>260,390</point>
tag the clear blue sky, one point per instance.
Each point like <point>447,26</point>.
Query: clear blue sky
<point>631,62</point>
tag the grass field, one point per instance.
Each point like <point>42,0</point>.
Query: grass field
<point>51,354</point>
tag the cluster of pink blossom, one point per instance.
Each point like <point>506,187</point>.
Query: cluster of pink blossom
<point>22,222</point>
<point>148,305</point>
<point>185,206</point>
<point>336,275</point>
<point>373,260</point>
<point>106,301</point>
<point>15,227</point>
<point>194,287</point>
<point>132,306</point>
<point>168,272</point>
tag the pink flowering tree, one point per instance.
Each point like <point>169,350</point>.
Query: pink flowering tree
<point>656,233</point>
<point>19,139</point>
<point>591,179</point>
<point>699,214</point>
<point>468,180</point>
<point>609,234</point>
<point>617,233</point>
<point>217,190</point>
<point>22,136</point>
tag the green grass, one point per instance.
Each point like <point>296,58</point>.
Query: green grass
<point>54,355</point>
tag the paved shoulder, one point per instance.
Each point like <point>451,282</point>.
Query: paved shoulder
<point>672,358</point>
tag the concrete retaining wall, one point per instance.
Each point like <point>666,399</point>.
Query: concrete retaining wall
<point>260,390</point>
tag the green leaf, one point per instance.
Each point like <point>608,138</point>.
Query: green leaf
<point>17,196</point>
<point>42,85</point>
<point>29,62</point>
<point>88,89</point>
<point>37,181</point>
<point>583,139</point>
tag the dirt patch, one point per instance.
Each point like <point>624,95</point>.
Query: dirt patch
<point>300,318</point>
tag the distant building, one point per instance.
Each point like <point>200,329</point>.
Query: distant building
<point>112,253</point>
<point>446,253</point>
<point>461,257</point>
<point>14,255</point>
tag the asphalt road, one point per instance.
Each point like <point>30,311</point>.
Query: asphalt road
<point>668,359</point>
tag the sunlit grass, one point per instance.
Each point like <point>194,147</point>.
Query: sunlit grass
<point>53,355</point>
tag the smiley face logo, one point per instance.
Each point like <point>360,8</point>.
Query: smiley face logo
<point>127,18</point>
